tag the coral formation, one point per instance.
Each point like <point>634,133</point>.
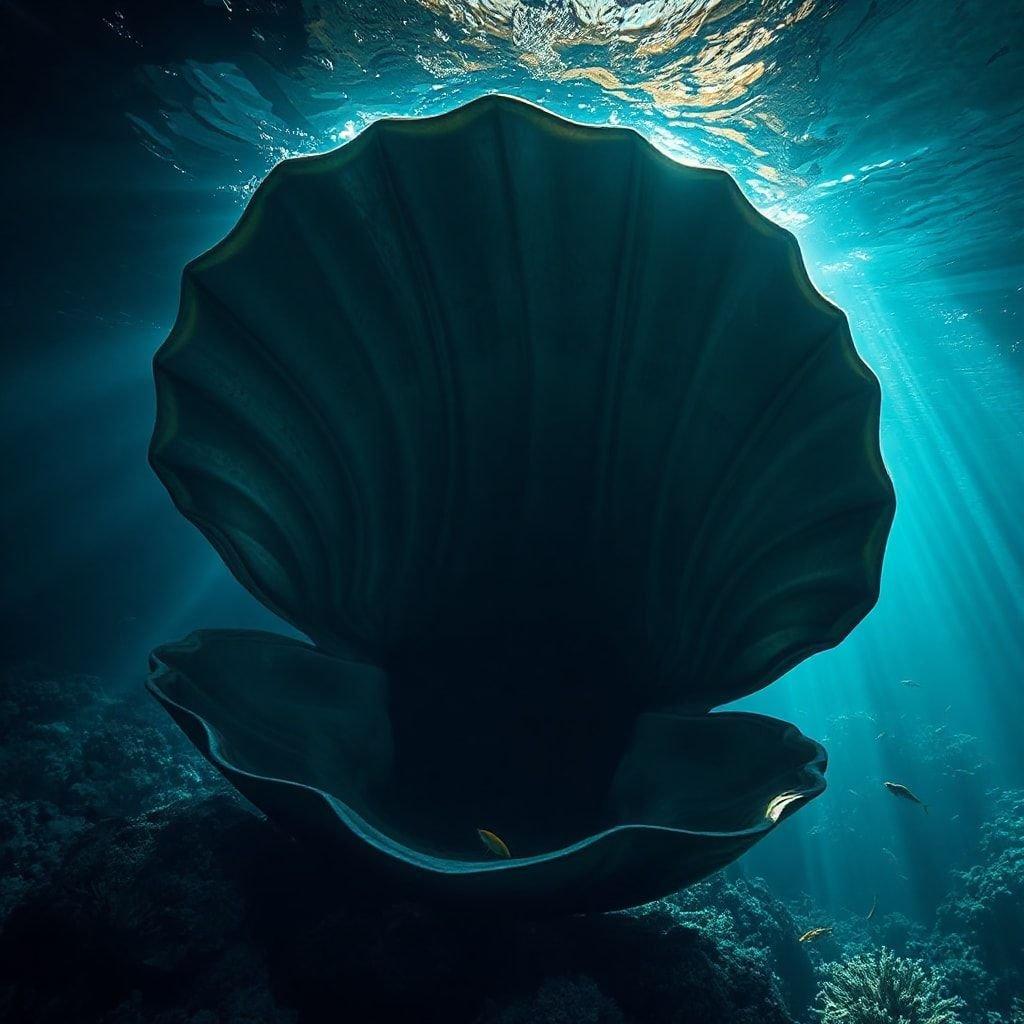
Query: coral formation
<point>744,914</point>
<point>882,988</point>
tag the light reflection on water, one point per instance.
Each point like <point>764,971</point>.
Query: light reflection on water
<point>807,102</point>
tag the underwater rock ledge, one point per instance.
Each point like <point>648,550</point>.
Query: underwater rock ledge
<point>550,447</point>
<point>200,911</point>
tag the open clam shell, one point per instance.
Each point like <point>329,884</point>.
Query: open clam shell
<point>307,737</point>
<point>555,434</point>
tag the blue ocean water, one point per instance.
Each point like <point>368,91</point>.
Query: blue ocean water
<point>887,136</point>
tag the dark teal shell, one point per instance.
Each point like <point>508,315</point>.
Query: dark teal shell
<point>549,445</point>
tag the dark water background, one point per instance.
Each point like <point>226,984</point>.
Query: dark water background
<point>887,134</point>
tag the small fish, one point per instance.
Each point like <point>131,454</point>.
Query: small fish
<point>1001,52</point>
<point>880,735</point>
<point>890,854</point>
<point>874,907</point>
<point>815,933</point>
<point>897,789</point>
<point>911,684</point>
<point>493,843</point>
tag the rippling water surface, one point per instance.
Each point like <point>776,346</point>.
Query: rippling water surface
<point>905,110</point>
<point>888,135</point>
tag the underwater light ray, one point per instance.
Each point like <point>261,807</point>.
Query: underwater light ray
<point>947,615</point>
<point>934,559</point>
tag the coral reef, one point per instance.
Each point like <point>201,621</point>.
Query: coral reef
<point>976,942</point>
<point>882,988</point>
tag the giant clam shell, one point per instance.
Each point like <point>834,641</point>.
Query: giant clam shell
<point>549,445</point>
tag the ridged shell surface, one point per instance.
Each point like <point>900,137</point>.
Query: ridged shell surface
<point>477,372</point>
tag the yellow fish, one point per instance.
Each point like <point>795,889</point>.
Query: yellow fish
<point>815,933</point>
<point>493,843</point>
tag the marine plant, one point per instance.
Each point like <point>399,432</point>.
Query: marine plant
<point>881,988</point>
<point>550,446</point>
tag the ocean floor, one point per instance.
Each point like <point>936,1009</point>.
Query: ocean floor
<point>135,886</point>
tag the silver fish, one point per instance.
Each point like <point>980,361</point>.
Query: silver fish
<point>898,789</point>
